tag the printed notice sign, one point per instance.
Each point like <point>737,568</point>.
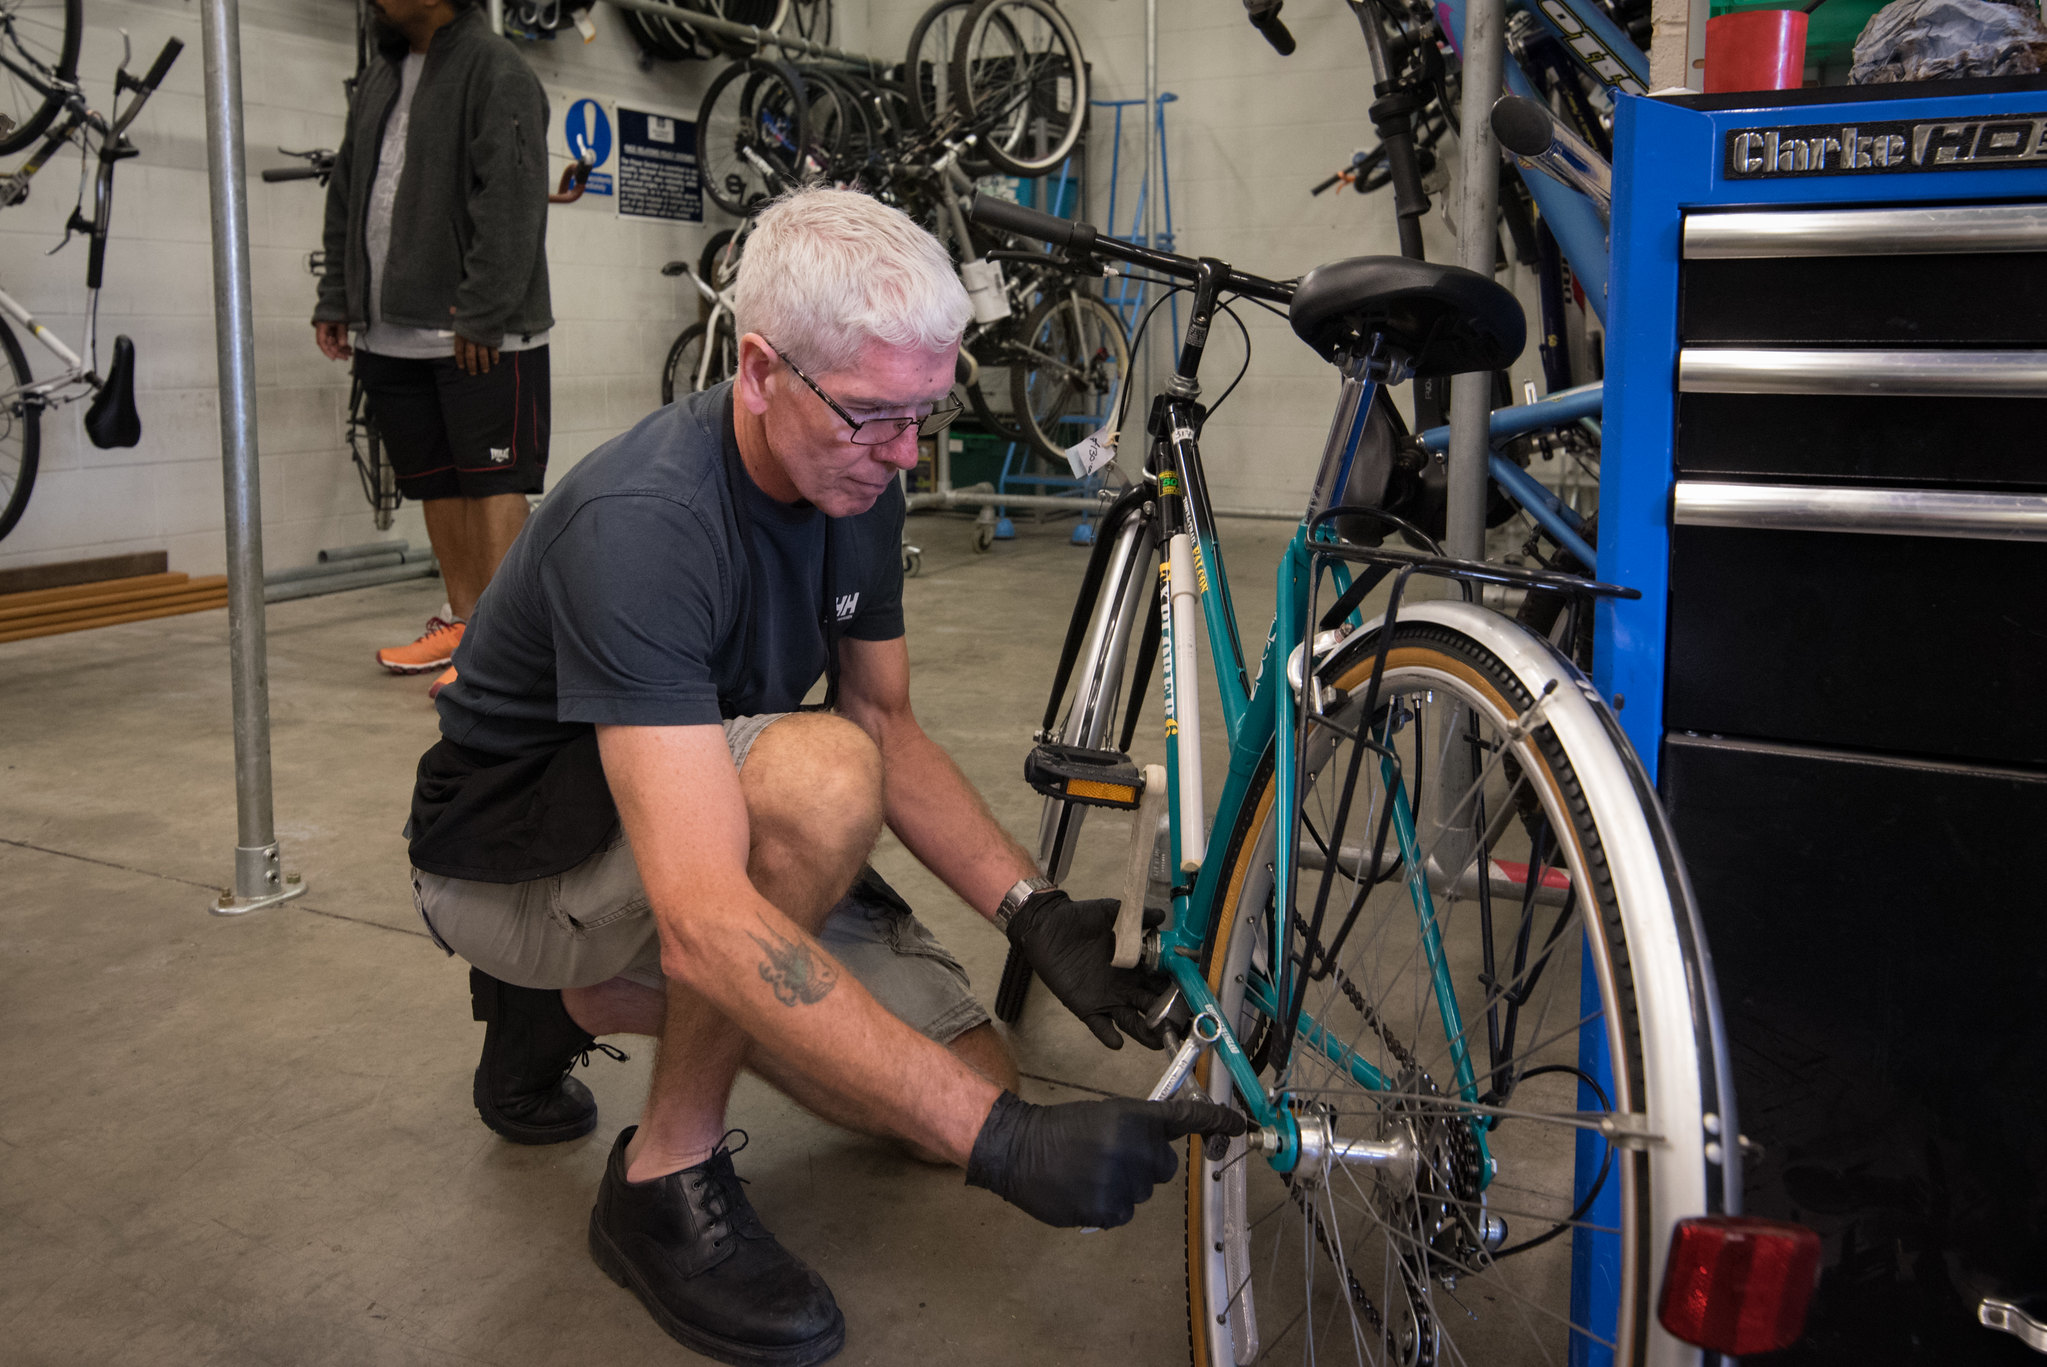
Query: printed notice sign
<point>657,167</point>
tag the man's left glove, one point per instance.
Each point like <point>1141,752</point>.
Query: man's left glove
<point>1069,945</point>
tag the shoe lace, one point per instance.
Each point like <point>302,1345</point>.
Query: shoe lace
<point>724,1182</point>
<point>435,626</point>
<point>598,1046</point>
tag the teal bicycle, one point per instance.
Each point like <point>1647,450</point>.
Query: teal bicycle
<point>1435,940</point>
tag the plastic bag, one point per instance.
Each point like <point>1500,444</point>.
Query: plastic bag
<point>1936,40</point>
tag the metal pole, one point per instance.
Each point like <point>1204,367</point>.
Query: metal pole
<point>1150,190</point>
<point>1471,395</point>
<point>259,880</point>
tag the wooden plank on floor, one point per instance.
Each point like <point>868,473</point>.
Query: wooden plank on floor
<point>70,593</point>
<point>115,619</point>
<point>82,598</point>
<point>63,573</point>
<point>65,612</point>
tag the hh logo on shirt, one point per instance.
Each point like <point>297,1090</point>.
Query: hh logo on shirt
<point>848,602</point>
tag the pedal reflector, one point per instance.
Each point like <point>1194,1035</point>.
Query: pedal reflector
<point>1097,778</point>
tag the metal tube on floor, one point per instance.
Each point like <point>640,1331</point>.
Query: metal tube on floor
<point>259,876</point>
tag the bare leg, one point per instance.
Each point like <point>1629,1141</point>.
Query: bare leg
<point>494,523</point>
<point>447,530</point>
<point>813,800</point>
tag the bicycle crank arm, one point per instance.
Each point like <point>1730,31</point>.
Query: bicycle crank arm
<point>1208,1028</point>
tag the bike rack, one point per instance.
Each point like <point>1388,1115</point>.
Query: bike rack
<point>725,28</point>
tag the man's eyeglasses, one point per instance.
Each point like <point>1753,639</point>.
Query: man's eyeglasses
<point>878,431</point>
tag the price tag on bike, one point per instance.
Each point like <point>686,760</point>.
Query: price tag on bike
<point>1092,453</point>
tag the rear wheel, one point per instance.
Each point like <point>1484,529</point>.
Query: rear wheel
<point>1019,78</point>
<point>41,39</point>
<point>20,434</point>
<point>1066,384</point>
<point>1488,1026</point>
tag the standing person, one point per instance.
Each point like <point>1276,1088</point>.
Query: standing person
<point>436,250</point>
<point>631,826</point>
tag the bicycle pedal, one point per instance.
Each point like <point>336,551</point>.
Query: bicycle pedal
<point>1096,778</point>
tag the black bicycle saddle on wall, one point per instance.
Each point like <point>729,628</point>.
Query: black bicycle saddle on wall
<point>1446,319</point>
<point>112,420</point>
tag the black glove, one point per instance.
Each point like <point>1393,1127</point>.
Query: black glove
<point>1087,1162</point>
<point>1069,944</point>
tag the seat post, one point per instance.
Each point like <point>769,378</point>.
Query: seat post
<point>1346,428</point>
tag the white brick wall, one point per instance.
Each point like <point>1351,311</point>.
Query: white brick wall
<point>615,314</point>
<point>1249,134</point>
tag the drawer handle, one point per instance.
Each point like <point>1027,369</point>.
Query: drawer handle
<point>1969,230</point>
<point>1809,370</point>
<point>1895,512</point>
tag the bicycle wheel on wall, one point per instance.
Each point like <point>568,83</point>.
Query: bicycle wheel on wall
<point>686,361</point>
<point>927,67</point>
<point>1488,1026</point>
<point>752,131</point>
<point>1019,77</point>
<point>20,434</point>
<point>41,40</point>
<point>1076,358</point>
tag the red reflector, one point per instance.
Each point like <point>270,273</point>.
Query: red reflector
<point>1739,1285</point>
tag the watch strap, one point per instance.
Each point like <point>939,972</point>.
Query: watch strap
<point>1020,892</point>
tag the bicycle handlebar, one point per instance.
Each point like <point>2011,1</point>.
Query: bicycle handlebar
<point>1083,240</point>
<point>146,86</point>
<point>161,66</point>
<point>277,173</point>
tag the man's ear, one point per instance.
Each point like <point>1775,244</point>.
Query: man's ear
<point>758,365</point>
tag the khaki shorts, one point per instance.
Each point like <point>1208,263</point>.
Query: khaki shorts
<point>593,923</point>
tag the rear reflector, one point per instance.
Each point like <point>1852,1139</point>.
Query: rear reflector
<point>1739,1285</point>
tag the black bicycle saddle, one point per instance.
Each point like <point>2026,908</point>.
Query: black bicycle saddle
<point>1446,319</point>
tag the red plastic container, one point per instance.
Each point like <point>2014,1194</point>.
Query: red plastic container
<point>1758,49</point>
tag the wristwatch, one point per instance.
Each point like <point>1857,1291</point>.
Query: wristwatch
<point>1013,900</point>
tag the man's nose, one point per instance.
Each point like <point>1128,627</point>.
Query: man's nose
<point>901,452</point>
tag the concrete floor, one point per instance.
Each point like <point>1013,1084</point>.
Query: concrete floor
<point>250,1141</point>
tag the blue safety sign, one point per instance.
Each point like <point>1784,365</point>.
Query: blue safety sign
<point>588,129</point>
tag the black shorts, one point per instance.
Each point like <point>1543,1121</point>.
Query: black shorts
<point>454,435</point>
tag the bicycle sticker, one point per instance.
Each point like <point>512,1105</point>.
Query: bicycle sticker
<point>1096,450</point>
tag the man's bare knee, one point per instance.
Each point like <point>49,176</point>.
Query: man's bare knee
<point>813,783</point>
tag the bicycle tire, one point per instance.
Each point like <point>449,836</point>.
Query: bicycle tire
<point>752,109</point>
<point>1017,63</point>
<point>1392,1241</point>
<point>765,15</point>
<point>21,436</point>
<point>718,263</point>
<point>1078,359</point>
<point>686,353</point>
<point>927,64</point>
<point>46,33</point>
<point>664,40</point>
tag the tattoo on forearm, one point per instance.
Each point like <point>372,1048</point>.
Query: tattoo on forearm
<point>799,977</point>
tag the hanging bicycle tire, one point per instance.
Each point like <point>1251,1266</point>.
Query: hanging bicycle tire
<point>1484,1029</point>
<point>1019,78</point>
<point>753,128</point>
<point>1075,360</point>
<point>41,38</point>
<point>21,437</point>
<point>686,361</point>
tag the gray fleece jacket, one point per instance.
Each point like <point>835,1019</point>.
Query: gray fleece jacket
<point>469,227</point>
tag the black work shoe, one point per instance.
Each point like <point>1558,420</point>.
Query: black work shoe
<point>691,1248</point>
<point>523,1089</point>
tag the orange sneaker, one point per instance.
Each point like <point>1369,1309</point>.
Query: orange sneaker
<point>433,690</point>
<point>435,649</point>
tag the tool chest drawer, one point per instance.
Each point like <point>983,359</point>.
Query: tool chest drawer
<point>1898,440</point>
<point>1903,644</point>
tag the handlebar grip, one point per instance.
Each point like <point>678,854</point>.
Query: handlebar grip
<point>277,173</point>
<point>161,67</point>
<point>1268,23</point>
<point>1006,217</point>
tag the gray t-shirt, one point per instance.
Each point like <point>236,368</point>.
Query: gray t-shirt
<point>636,596</point>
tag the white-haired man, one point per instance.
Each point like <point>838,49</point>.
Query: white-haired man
<point>630,827</point>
